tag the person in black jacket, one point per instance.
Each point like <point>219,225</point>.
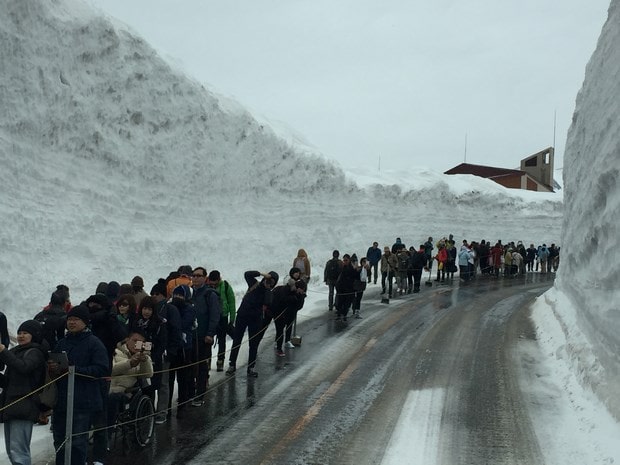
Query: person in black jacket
<point>170,315</point>
<point>105,325</point>
<point>88,355</point>
<point>344,288</point>
<point>256,300</point>
<point>25,372</point>
<point>286,302</point>
<point>419,261</point>
<point>5,340</point>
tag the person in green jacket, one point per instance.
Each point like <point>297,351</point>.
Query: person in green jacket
<point>227,321</point>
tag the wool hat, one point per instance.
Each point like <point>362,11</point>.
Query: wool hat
<point>183,291</point>
<point>100,300</point>
<point>137,281</point>
<point>159,288</point>
<point>34,328</point>
<point>113,290</point>
<point>80,311</point>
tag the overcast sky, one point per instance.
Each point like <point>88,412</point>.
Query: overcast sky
<point>402,83</point>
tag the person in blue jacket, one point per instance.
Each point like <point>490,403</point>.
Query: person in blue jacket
<point>373,254</point>
<point>88,355</point>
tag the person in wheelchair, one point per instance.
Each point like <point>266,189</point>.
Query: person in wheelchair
<point>131,367</point>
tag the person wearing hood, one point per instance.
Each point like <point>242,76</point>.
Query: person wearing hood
<point>464,257</point>
<point>25,372</point>
<point>255,302</point>
<point>88,355</point>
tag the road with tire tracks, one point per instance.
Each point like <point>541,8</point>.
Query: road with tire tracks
<point>430,378</point>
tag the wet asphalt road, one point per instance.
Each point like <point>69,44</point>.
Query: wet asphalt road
<point>338,398</point>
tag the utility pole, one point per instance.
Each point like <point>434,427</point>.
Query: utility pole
<point>465,154</point>
<point>555,112</point>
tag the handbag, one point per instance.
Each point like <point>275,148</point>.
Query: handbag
<point>359,285</point>
<point>48,395</point>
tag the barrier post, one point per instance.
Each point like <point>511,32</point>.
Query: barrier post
<point>69,420</point>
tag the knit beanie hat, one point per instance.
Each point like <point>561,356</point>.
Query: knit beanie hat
<point>34,328</point>
<point>80,311</point>
<point>113,291</point>
<point>159,288</point>
<point>183,291</point>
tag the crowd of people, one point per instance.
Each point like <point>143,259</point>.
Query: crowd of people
<point>401,268</point>
<point>120,337</point>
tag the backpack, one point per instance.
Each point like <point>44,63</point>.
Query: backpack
<point>403,260</point>
<point>52,325</point>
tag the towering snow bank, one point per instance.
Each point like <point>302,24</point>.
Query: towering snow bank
<point>591,236</point>
<point>114,164</point>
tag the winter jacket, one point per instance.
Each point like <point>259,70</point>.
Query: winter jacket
<point>89,356</point>
<point>464,256</point>
<point>418,260</point>
<point>332,270</point>
<point>303,263</point>
<point>208,311</point>
<point>25,371</point>
<point>373,254</point>
<point>53,321</point>
<point>105,325</point>
<point>227,300</point>
<point>389,263</point>
<point>256,297</point>
<point>348,275</point>
<point>155,332</point>
<point>170,315</point>
<point>4,331</point>
<point>124,376</point>
<point>188,317</point>
<point>442,255</point>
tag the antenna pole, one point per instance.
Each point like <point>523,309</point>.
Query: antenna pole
<point>465,154</point>
<point>555,112</point>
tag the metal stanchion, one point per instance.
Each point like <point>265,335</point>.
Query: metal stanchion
<point>69,423</point>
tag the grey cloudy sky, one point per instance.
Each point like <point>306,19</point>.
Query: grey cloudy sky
<point>406,81</point>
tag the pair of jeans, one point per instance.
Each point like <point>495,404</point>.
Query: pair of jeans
<point>17,437</point>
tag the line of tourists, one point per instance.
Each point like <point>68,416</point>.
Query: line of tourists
<point>120,336</point>
<point>401,268</point>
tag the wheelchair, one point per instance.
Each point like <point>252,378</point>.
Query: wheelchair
<point>136,419</point>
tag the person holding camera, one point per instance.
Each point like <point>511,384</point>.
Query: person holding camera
<point>132,363</point>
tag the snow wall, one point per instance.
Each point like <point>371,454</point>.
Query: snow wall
<point>590,266</point>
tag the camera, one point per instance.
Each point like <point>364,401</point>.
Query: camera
<point>144,346</point>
